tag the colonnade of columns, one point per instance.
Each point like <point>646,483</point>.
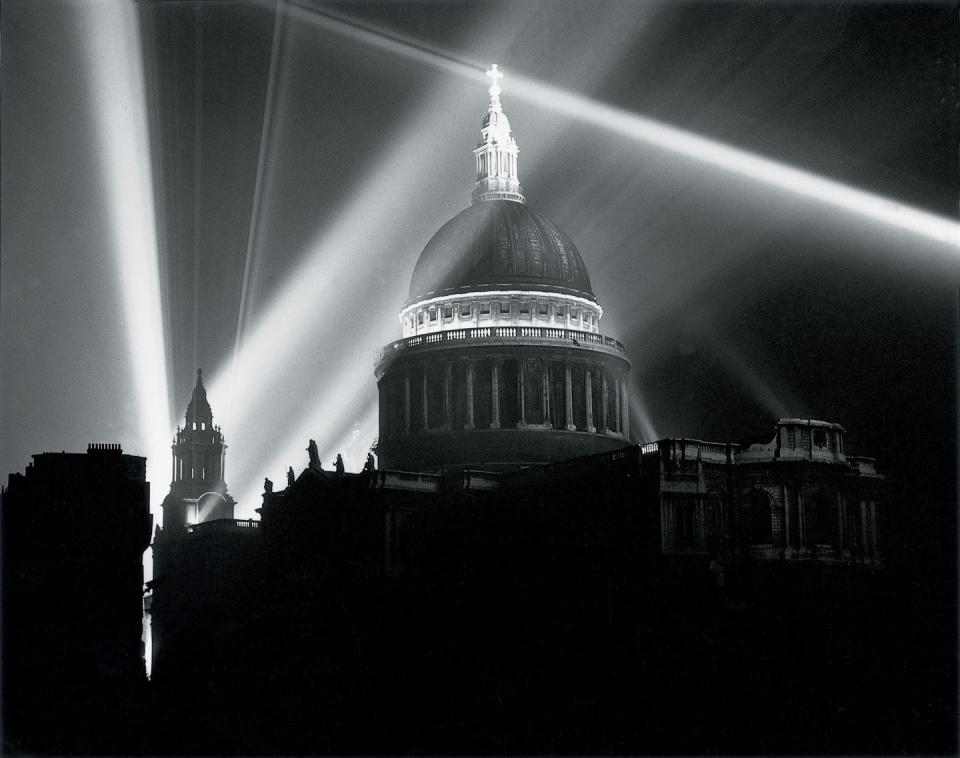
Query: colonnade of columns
<point>197,464</point>
<point>559,394</point>
<point>820,519</point>
<point>850,529</point>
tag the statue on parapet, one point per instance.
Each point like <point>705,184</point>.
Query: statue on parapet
<point>291,477</point>
<point>339,464</point>
<point>314,456</point>
<point>267,486</point>
<point>370,465</point>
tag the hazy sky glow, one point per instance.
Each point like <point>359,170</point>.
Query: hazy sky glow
<point>764,195</point>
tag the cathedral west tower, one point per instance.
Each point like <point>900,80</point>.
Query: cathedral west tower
<point>502,362</point>
<point>198,491</point>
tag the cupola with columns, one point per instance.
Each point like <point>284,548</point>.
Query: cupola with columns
<point>502,361</point>
<point>198,491</point>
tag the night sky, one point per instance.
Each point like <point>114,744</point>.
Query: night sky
<point>738,302</point>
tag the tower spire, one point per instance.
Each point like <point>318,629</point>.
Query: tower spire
<point>496,153</point>
<point>198,491</point>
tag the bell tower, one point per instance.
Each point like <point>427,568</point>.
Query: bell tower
<point>198,491</point>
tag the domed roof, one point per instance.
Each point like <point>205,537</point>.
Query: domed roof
<point>496,245</point>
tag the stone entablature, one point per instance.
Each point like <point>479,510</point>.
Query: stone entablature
<point>501,308</point>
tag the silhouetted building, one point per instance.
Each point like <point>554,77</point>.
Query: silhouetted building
<point>502,363</point>
<point>75,527</point>
<point>201,553</point>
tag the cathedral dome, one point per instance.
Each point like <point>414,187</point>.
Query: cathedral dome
<point>499,245</point>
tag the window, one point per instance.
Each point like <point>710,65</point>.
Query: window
<point>760,518</point>
<point>194,426</point>
<point>465,309</point>
<point>433,314</point>
<point>448,311</point>
<point>525,308</point>
<point>484,309</point>
<point>575,314</point>
<point>505,307</point>
<point>820,517</point>
<point>420,318</point>
<point>560,311</point>
<point>541,309</point>
<point>203,426</point>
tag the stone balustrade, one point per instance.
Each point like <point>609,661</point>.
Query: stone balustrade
<point>537,335</point>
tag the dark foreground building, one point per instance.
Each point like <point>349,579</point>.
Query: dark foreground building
<point>75,527</point>
<point>528,611</point>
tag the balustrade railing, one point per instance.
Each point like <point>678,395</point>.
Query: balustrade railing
<point>406,480</point>
<point>223,525</point>
<point>574,337</point>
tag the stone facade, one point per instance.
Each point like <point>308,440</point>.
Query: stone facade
<point>797,496</point>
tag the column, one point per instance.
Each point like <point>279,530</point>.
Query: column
<point>547,412</point>
<point>663,524</point>
<point>700,538</point>
<point>521,375</point>
<point>616,405</point>
<point>568,378</point>
<point>406,404</point>
<point>785,494</point>
<point>840,536</point>
<point>604,403</point>
<point>469,368</point>
<point>867,547</point>
<point>874,529</point>
<point>173,464</point>
<point>801,519</point>
<point>625,405</point>
<point>495,395</point>
<point>588,399</point>
<point>447,391</point>
<point>423,394</point>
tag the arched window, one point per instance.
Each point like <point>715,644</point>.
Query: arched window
<point>435,394</point>
<point>686,523</point>
<point>482,393</point>
<point>416,400</point>
<point>819,518</point>
<point>533,391</point>
<point>760,515</point>
<point>713,516</point>
<point>509,396</point>
<point>459,395</point>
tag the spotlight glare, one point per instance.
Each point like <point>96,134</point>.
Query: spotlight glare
<point>797,181</point>
<point>115,65</point>
<point>328,422</point>
<point>876,208</point>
